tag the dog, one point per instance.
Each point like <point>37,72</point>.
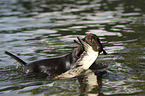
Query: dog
<point>59,64</point>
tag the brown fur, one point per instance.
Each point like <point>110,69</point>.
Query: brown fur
<point>94,41</point>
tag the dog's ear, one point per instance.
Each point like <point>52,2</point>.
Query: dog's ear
<point>79,50</point>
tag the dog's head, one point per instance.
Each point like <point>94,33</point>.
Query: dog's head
<point>92,40</point>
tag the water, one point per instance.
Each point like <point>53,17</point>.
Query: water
<point>36,29</point>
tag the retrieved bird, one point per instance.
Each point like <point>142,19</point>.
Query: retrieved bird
<point>87,58</point>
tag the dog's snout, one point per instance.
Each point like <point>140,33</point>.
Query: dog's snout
<point>97,47</point>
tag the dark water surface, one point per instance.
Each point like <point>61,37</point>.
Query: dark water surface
<point>36,29</point>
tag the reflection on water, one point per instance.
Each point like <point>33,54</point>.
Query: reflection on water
<point>90,84</point>
<point>37,29</point>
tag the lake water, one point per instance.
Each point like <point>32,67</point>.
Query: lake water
<point>37,29</point>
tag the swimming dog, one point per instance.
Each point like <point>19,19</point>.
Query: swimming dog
<point>60,64</point>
